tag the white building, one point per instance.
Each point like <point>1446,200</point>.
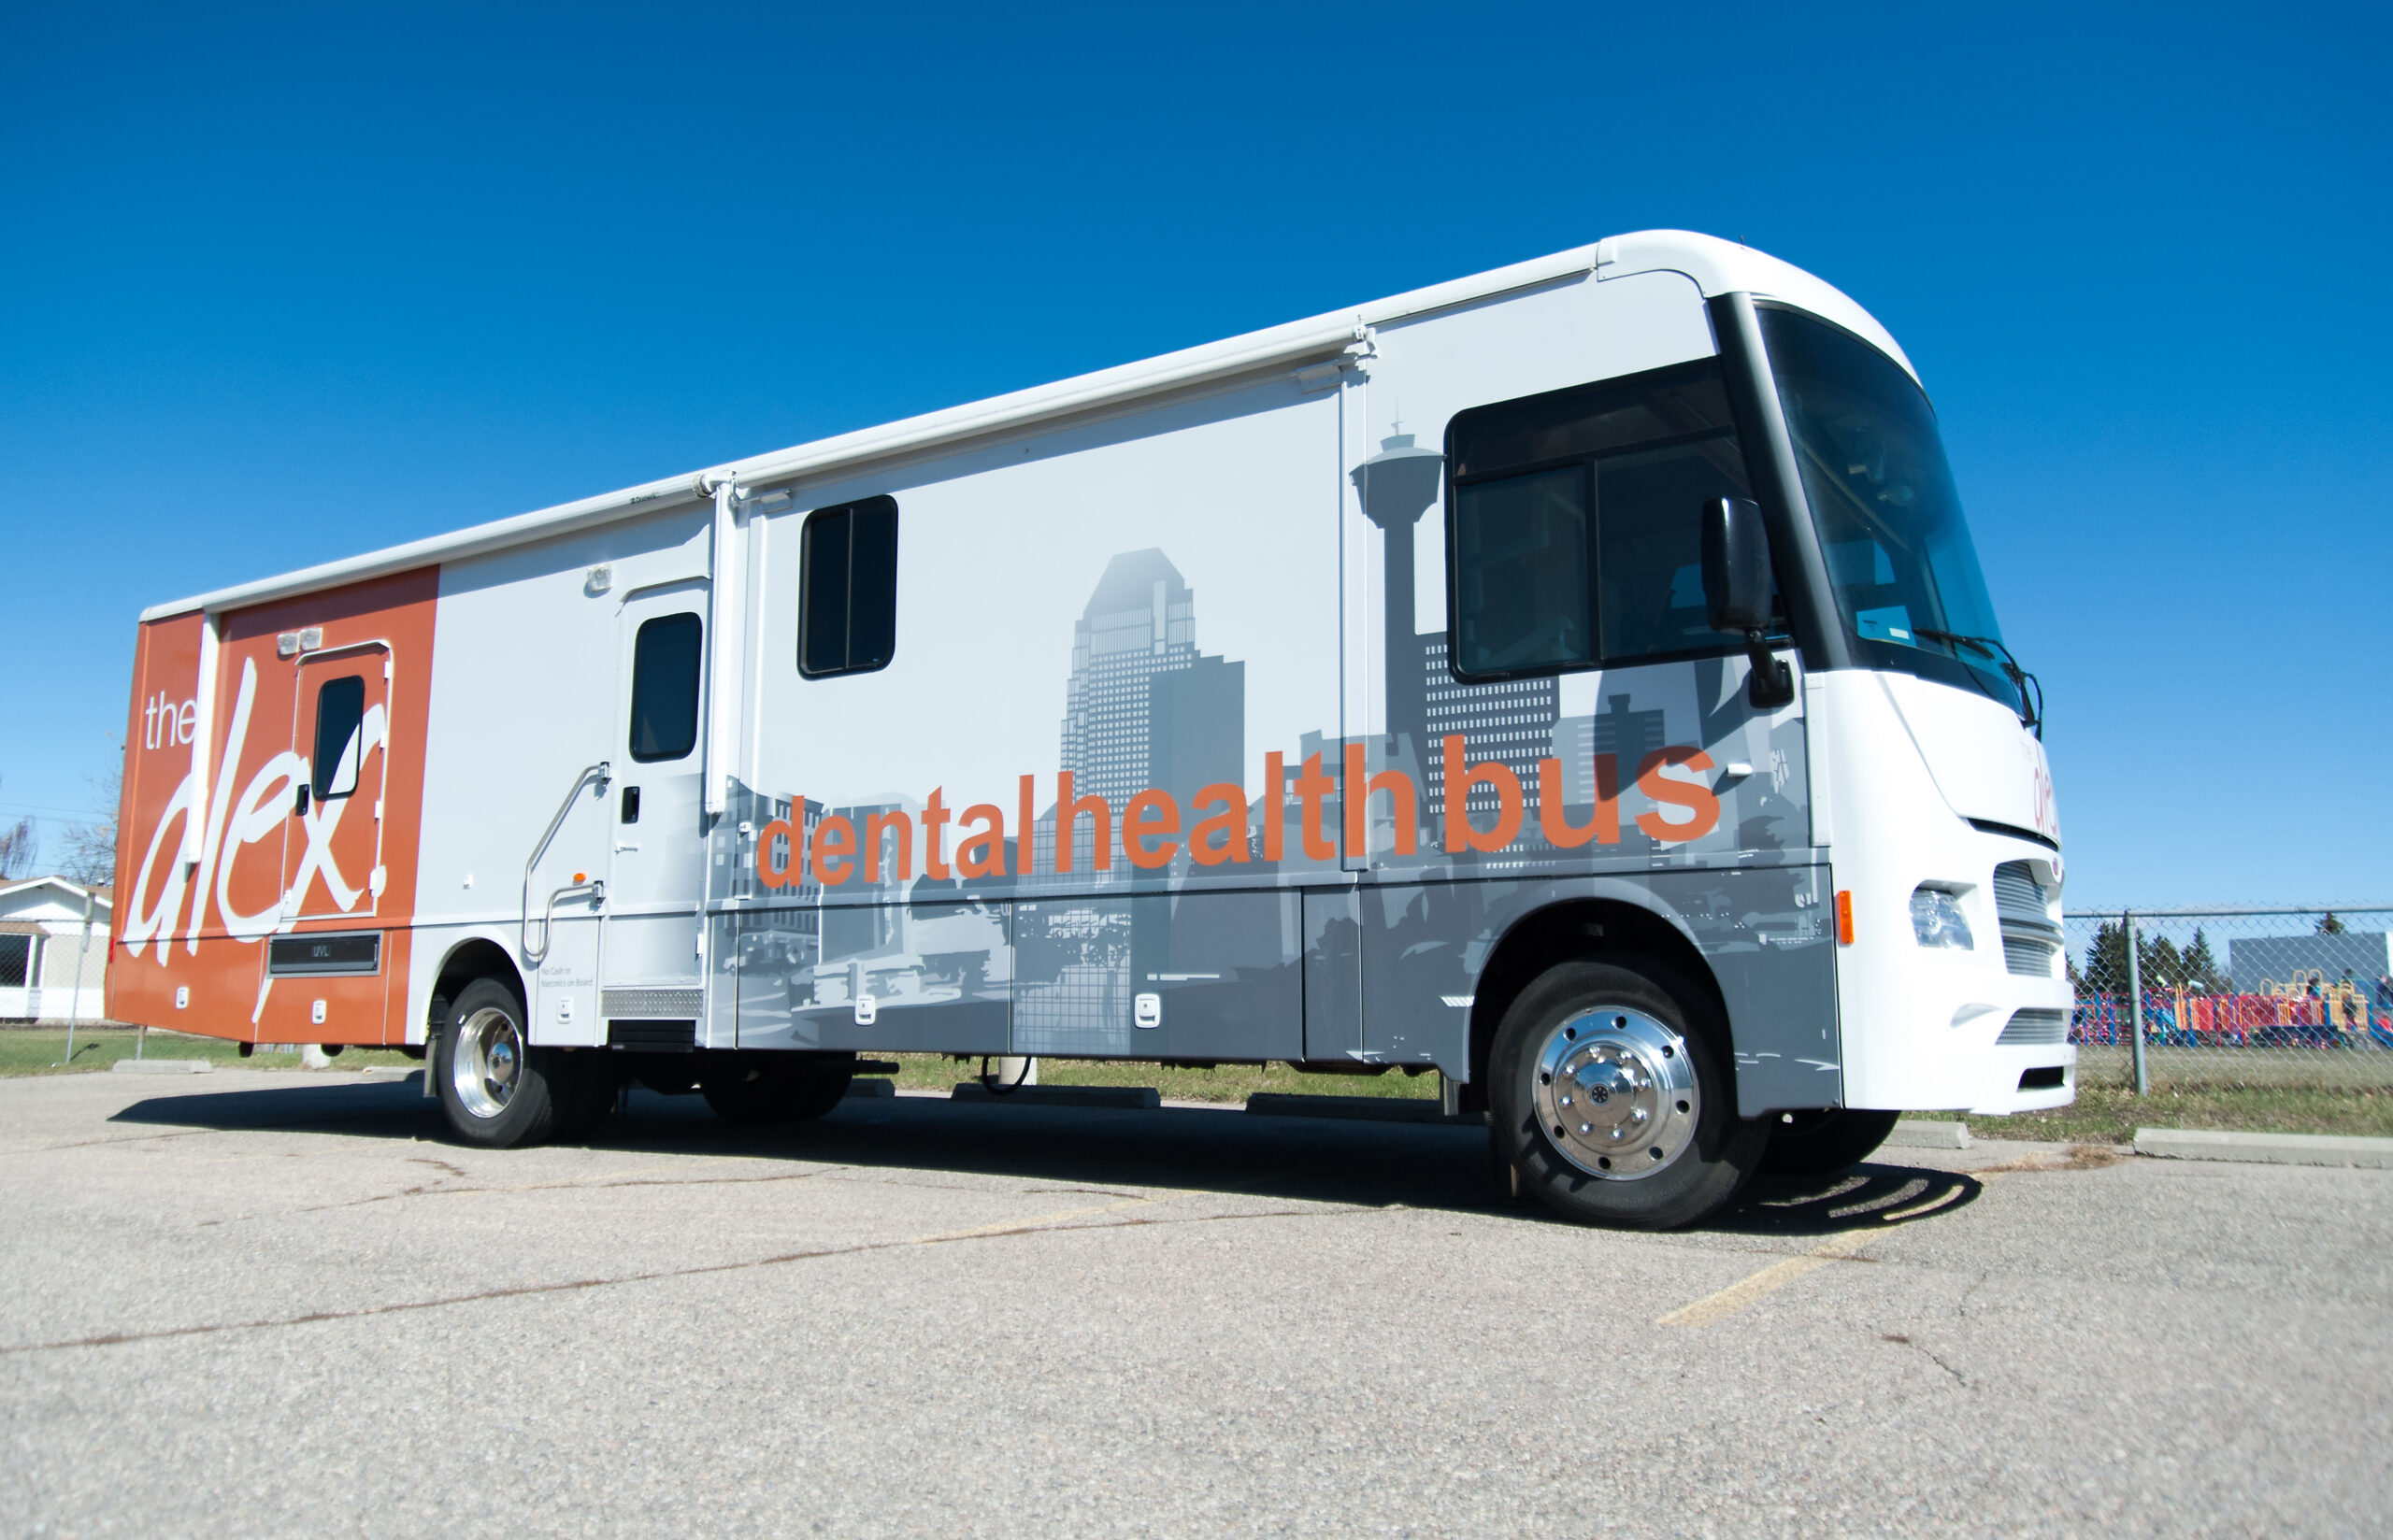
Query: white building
<point>53,950</point>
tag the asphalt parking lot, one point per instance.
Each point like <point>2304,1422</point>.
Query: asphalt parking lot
<point>275,1303</point>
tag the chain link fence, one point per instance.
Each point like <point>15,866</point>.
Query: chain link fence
<point>2229,997</point>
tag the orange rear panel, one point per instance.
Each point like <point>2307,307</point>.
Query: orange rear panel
<point>201,901</point>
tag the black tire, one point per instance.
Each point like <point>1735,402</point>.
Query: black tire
<point>498,1092</point>
<point>1666,1093</point>
<point>751,1089</point>
<point>1813,1144</point>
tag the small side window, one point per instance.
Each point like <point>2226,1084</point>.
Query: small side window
<point>665,688</point>
<point>340,710</point>
<point>846,620</point>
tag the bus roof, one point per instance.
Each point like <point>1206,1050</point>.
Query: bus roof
<point>1716,266</point>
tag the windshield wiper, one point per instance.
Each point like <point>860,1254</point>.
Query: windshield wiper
<point>2031,711</point>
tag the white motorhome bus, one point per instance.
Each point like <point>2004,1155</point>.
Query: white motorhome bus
<point>1575,680</point>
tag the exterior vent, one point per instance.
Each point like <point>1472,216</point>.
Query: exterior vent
<point>652,1002</point>
<point>353,954</point>
<point>2031,941</point>
<point>2034,1029</point>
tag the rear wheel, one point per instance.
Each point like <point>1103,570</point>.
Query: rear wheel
<point>1813,1144</point>
<point>498,1090</point>
<point>776,1087</point>
<point>1610,1094</point>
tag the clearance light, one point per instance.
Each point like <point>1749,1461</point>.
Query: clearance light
<point>1936,919</point>
<point>1844,917</point>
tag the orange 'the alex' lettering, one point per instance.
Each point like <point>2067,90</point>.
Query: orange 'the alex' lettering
<point>834,847</point>
<point>1149,815</point>
<point>1360,789</point>
<point>1311,787</point>
<point>1229,823</point>
<point>1069,809</point>
<point>1702,807</point>
<point>1025,855</point>
<point>1460,778</point>
<point>773,869</point>
<point>983,854</point>
<point>1604,824</point>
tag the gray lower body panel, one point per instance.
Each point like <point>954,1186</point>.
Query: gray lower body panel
<point>1382,971</point>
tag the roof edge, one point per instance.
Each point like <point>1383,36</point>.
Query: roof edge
<point>1715,265</point>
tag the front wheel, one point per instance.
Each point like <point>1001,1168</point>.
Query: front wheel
<point>498,1090</point>
<point>1612,1095</point>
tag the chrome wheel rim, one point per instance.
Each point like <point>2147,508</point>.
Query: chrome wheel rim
<point>1615,1093</point>
<point>488,1065</point>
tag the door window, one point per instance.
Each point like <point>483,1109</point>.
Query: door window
<point>665,659</point>
<point>340,711</point>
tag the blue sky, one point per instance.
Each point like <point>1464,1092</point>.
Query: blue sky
<point>279,285</point>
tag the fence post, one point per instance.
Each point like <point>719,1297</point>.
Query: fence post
<point>2135,1005</point>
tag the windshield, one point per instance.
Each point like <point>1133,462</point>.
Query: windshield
<point>1898,552</point>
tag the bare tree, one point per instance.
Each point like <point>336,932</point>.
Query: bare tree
<point>91,845</point>
<point>18,847</point>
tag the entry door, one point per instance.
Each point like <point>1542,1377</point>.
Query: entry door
<point>332,851</point>
<point>656,874</point>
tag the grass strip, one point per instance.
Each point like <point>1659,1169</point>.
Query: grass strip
<point>2106,1114</point>
<point>2099,1114</point>
<point>42,1050</point>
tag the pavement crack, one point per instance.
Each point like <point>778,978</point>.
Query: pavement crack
<point>121,1139</point>
<point>1903,1340</point>
<point>438,1192</point>
<point>1041,1224</point>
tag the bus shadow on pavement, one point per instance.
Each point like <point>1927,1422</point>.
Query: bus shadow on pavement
<point>1301,1159</point>
<point>1874,1196</point>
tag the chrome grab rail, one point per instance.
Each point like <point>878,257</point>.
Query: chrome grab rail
<point>597,892</point>
<point>603,771</point>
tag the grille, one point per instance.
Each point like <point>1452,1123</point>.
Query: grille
<point>654,1036</point>
<point>2027,955</point>
<point>2034,1028</point>
<point>2030,940</point>
<point>614,1002</point>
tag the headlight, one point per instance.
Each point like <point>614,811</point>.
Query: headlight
<point>1936,919</point>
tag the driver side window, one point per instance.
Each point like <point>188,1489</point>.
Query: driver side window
<point>1575,533</point>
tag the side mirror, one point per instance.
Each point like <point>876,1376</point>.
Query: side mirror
<point>1735,588</point>
<point>1735,564</point>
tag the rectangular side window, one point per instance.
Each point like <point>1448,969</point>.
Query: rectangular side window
<point>666,657</point>
<point>1521,573</point>
<point>1575,533</point>
<point>846,620</point>
<point>340,710</point>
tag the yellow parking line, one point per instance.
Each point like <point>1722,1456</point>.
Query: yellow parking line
<point>1777,1276</point>
<point>1770,1280</point>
